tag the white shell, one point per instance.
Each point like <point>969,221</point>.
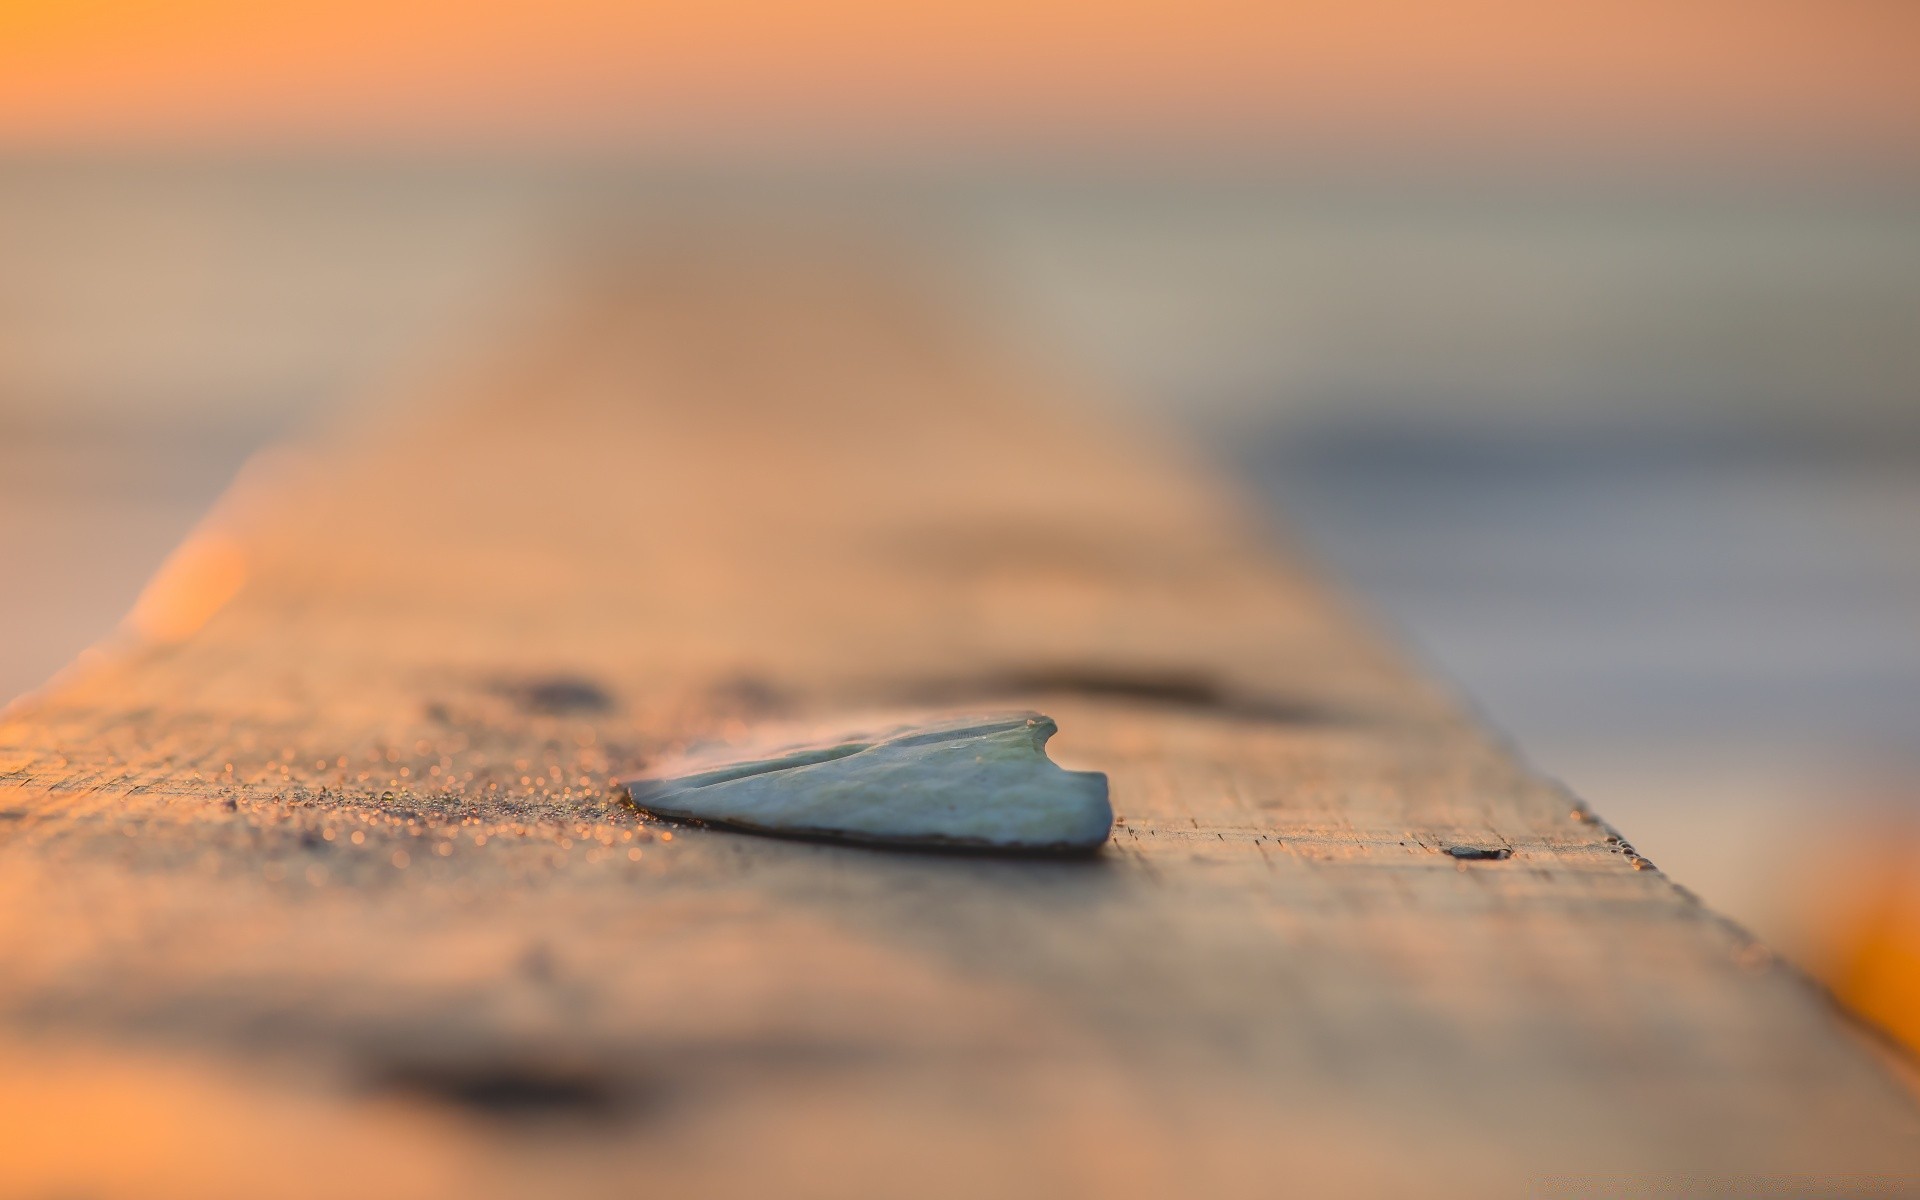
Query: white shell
<point>968,782</point>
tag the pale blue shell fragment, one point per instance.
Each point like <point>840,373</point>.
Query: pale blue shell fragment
<point>975,782</point>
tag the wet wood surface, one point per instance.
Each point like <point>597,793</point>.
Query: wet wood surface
<point>315,880</point>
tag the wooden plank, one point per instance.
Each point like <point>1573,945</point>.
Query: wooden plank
<point>314,882</point>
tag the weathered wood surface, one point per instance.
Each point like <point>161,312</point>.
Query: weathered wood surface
<point>314,883</point>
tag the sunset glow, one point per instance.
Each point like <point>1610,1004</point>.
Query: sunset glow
<point>593,71</point>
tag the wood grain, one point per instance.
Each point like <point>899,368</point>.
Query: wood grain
<point>314,883</point>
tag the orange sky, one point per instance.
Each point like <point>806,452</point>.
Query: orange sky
<point>1741,73</point>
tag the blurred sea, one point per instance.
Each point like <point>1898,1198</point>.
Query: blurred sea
<point>1637,467</point>
<point>1714,639</point>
